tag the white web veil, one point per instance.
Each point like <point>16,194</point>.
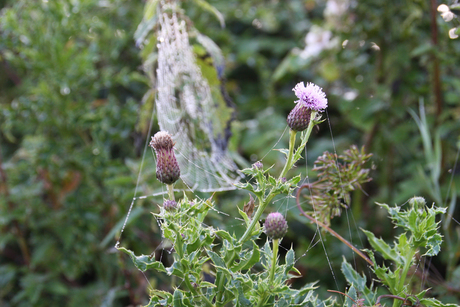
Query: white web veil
<point>188,110</point>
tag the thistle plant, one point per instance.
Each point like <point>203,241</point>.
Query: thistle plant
<point>218,268</point>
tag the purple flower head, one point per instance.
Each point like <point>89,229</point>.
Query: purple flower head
<point>312,96</point>
<point>275,225</point>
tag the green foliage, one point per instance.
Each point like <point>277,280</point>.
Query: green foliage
<point>73,117</point>
<point>63,144</point>
<point>420,234</point>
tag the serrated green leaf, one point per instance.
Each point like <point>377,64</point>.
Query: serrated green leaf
<point>353,277</point>
<point>432,302</point>
<point>177,298</point>
<point>295,180</point>
<point>382,247</point>
<point>175,269</point>
<point>248,262</point>
<point>224,234</point>
<point>144,262</point>
<point>284,151</point>
<point>245,217</point>
<point>216,259</point>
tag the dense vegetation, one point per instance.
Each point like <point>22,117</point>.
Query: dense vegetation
<point>73,123</point>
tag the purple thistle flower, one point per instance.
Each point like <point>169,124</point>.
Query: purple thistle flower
<point>275,225</point>
<point>167,167</point>
<point>312,96</point>
<point>170,205</point>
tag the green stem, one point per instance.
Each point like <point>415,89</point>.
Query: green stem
<point>220,292</point>
<point>407,265</point>
<point>256,217</point>
<point>288,165</point>
<point>170,191</point>
<point>275,257</point>
<point>262,300</point>
<point>271,277</point>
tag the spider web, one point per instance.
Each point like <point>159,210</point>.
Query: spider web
<point>193,112</point>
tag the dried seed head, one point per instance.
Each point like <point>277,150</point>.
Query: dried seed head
<point>275,225</point>
<point>168,170</point>
<point>170,205</point>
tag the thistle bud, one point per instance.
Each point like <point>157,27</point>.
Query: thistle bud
<point>258,165</point>
<point>168,170</point>
<point>311,97</point>
<point>275,225</point>
<point>170,205</point>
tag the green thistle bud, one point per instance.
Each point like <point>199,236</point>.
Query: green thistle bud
<point>275,225</point>
<point>168,170</point>
<point>170,205</point>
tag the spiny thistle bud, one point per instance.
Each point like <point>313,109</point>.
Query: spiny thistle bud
<point>168,170</point>
<point>275,225</point>
<point>258,165</point>
<point>417,202</point>
<point>169,205</point>
<point>311,97</point>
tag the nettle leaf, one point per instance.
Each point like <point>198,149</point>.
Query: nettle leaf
<point>382,247</point>
<point>144,262</point>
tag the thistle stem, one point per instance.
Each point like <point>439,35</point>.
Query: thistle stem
<point>288,165</point>
<point>255,219</point>
<point>170,191</point>
<point>275,257</point>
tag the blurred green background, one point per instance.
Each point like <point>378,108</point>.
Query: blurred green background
<point>73,127</point>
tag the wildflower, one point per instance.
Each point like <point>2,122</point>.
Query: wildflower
<point>169,205</point>
<point>168,170</point>
<point>311,97</point>
<point>275,225</point>
<point>257,165</point>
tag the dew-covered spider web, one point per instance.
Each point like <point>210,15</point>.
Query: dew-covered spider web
<point>197,116</point>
